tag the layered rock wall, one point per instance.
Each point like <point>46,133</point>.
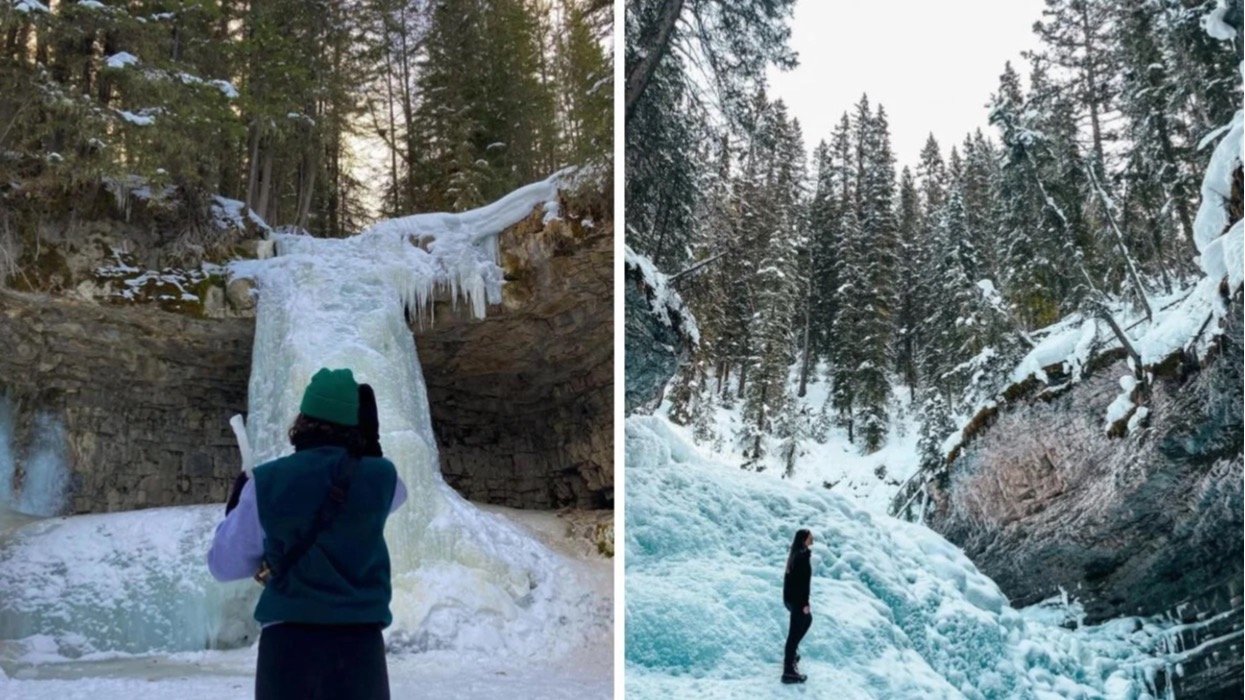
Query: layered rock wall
<point>521,400</point>
<point>1044,501</point>
<point>144,397</point>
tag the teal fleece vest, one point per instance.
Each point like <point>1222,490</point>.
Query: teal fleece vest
<point>344,577</point>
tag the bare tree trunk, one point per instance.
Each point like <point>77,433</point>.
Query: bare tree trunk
<point>804,366</point>
<point>264,200</point>
<point>743,376</point>
<point>252,179</point>
<point>1120,335</point>
<point>651,55</point>
<point>1119,239</point>
<point>306,181</point>
<point>393,136</point>
<point>408,109</point>
<point>1091,79</point>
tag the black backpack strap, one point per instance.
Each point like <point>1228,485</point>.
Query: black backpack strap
<point>334,501</point>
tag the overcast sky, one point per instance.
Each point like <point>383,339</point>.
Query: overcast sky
<point>932,64</point>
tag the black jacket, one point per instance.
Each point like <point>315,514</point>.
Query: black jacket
<point>796,582</point>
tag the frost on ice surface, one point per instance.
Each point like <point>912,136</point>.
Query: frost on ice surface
<point>454,252</point>
<point>665,301</point>
<point>122,582</point>
<point>898,612</point>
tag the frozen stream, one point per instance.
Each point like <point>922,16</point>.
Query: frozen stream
<point>92,587</point>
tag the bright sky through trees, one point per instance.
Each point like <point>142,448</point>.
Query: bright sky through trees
<point>932,64</point>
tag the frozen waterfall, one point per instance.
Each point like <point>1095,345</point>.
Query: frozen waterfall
<point>463,578</point>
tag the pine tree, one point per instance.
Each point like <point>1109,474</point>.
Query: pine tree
<point>909,302</point>
<point>585,82</point>
<point>879,234</point>
<point>1157,178</point>
<point>1074,34</point>
<point>775,176</point>
<point>936,426</point>
<point>823,212</point>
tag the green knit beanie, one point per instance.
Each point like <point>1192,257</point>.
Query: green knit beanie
<point>332,396</point>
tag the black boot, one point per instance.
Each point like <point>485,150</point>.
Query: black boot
<point>791,675</point>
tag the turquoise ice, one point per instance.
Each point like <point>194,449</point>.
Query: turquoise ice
<point>898,612</point>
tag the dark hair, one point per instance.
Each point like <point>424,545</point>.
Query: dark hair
<point>308,432</point>
<point>797,545</point>
<point>369,422</point>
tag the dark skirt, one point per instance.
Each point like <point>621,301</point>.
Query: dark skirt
<point>321,662</point>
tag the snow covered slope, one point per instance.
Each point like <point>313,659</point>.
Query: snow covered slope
<point>826,461</point>
<point>42,666</point>
<point>898,612</point>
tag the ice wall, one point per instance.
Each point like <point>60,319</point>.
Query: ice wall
<point>121,582</point>
<point>8,464</point>
<point>44,485</point>
<point>898,612</point>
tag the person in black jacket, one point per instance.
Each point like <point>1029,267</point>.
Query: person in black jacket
<point>795,595</point>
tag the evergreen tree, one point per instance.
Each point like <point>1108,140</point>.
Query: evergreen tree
<point>1074,35</point>
<point>823,212</point>
<point>909,302</point>
<point>486,127</point>
<point>878,302</point>
<point>774,177</point>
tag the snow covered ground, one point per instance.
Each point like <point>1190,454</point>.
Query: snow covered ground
<point>869,481</point>
<point>898,612</point>
<point>43,666</point>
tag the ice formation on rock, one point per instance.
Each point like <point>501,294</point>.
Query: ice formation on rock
<point>463,578</point>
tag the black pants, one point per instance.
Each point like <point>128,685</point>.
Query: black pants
<point>321,662</point>
<point>800,622</point>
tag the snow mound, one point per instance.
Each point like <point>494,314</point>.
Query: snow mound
<point>898,611</point>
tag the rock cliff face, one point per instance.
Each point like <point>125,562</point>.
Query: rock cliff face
<point>1150,523</point>
<point>522,400</point>
<point>144,395</point>
<point>656,341</point>
<point>144,385</point>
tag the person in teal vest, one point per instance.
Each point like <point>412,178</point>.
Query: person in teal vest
<point>310,527</point>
